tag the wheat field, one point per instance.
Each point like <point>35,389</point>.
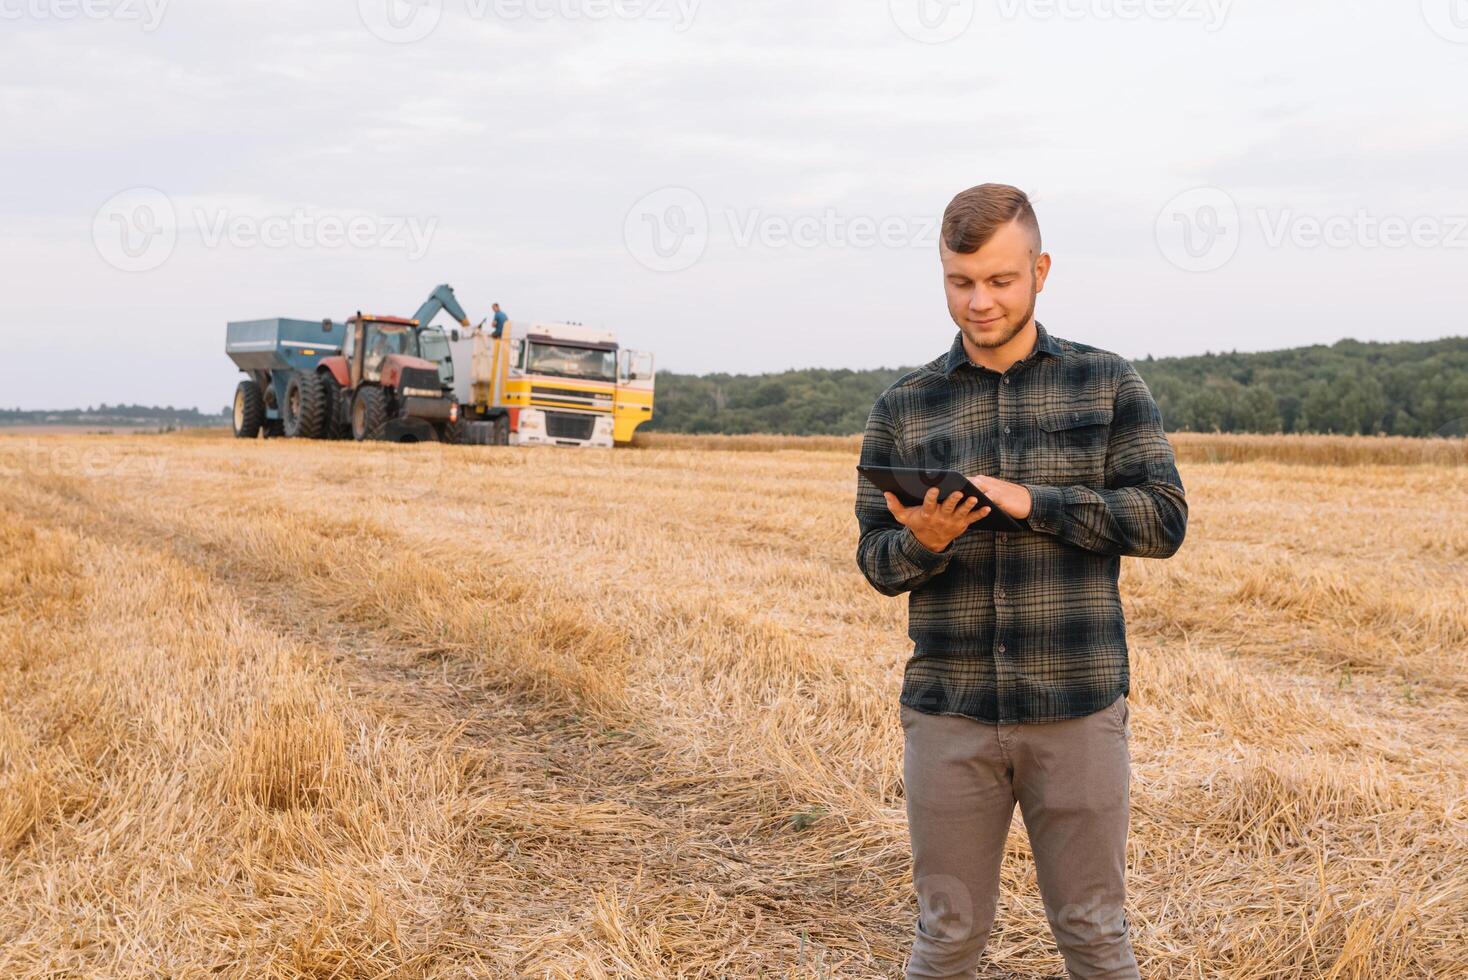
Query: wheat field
<point>289,710</point>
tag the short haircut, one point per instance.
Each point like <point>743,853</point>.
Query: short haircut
<point>975,215</point>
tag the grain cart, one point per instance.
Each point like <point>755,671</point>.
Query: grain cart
<point>270,352</point>
<point>365,378</point>
<point>558,384</point>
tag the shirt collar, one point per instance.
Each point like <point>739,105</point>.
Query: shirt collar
<point>958,356</point>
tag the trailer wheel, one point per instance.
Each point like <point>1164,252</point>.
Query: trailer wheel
<point>249,410</point>
<point>369,413</point>
<point>304,411</point>
<point>338,426</point>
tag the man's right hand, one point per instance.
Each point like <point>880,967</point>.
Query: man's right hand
<point>935,525</point>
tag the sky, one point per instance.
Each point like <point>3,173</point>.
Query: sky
<point>735,186</point>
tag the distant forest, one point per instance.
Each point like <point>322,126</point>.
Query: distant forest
<point>112,415</point>
<point>1408,388</point>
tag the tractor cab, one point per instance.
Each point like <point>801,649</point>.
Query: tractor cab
<point>376,345</point>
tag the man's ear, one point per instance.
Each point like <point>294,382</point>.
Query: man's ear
<point>1042,271</point>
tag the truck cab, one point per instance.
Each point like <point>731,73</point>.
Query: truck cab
<point>558,384</point>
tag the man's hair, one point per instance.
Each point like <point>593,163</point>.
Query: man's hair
<point>975,215</point>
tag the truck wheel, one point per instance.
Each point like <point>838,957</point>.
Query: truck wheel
<point>304,411</point>
<point>369,413</point>
<point>249,410</point>
<point>501,436</point>
<point>337,424</point>
<point>473,433</point>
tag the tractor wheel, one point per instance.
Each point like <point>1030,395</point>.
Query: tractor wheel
<point>337,426</point>
<point>369,412</point>
<point>454,433</point>
<point>249,410</point>
<point>274,429</point>
<point>306,405</point>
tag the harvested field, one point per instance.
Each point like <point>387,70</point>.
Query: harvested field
<point>287,710</point>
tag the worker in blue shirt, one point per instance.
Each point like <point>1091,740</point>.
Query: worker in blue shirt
<point>500,319</point>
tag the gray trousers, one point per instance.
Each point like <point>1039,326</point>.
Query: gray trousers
<point>1071,779</point>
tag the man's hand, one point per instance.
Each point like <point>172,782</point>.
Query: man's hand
<point>1012,498</point>
<point>935,525</point>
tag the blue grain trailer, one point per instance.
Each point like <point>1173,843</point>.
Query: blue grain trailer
<point>268,351</point>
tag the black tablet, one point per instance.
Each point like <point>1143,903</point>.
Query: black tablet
<point>910,485</point>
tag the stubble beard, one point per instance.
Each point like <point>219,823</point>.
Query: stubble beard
<point>1013,330</point>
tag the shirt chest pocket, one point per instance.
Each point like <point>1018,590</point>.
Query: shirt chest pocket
<point>1072,446</point>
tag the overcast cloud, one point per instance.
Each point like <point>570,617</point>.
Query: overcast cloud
<point>743,187</point>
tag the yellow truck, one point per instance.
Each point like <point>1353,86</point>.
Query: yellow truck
<point>554,384</point>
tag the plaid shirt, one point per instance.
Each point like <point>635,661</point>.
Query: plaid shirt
<point>1023,626</point>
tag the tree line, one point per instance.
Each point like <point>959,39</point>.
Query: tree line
<point>1405,388</point>
<point>104,414</point>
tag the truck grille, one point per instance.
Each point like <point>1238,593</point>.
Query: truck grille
<point>567,425</point>
<point>591,399</point>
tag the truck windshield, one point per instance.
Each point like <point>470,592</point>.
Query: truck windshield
<point>565,361</point>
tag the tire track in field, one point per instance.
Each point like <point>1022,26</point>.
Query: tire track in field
<point>559,760</point>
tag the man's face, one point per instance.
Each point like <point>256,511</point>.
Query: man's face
<point>991,292</point>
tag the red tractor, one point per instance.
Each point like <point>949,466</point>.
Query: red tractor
<point>379,387</point>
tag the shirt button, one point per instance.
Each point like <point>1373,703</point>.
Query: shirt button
<point>1001,593</point>
<point>1002,538</point>
<point>1002,648</point>
<point>1006,380</point>
<point>1006,430</point>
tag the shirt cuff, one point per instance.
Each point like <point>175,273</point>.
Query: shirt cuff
<point>1047,508</point>
<point>916,552</point>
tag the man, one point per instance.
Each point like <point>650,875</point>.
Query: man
<point>500,319</point>
<point>377,352</point>
<point>1016,690</point>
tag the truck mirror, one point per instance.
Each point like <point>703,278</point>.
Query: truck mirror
<point>326,326</point>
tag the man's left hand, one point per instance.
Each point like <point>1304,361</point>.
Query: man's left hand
<point>1012,498</point>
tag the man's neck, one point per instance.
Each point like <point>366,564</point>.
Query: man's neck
<point>1000,358</point>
